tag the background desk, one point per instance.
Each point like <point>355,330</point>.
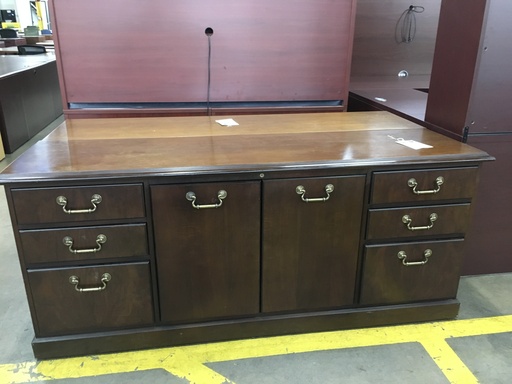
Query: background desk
<point>29,97</point>
<point>12,42</point>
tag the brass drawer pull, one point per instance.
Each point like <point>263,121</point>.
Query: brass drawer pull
<point>95,200</point>
<point>329,188</point>
<point>105,278</point>
<point>100,239</point>
<point>412,183</point>
<point>191,196</point>
<point>403,256</point>
<point>406,219</point>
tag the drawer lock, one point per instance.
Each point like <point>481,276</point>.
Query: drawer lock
<point>329,188</point>
<point>412,183</point>
<point>95,200</point>
<point>105,278</point>
<point>403,256</point>
<point>406,219</point>
<point>100,239</point>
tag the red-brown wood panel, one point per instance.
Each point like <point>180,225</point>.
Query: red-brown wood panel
<point>489,240</point>
<point>453,67</point>
<point>157,51</point>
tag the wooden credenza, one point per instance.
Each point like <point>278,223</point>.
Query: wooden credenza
<point>149,232</point>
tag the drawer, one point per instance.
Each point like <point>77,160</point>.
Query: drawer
<point>40,205</point>
<point>422,221</point>
<point>390,279</point>
<point>84,243</point>
<point>60,309</point>
<point>396,187</point>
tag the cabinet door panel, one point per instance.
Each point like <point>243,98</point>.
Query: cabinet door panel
<point>208,259</point>
<point>386,280</point>
<point>310,249</point>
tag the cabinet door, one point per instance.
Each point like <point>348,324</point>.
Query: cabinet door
<point>310,249</point>
<point>208,258</point>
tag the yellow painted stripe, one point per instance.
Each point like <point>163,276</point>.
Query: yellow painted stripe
<point>188,362</point>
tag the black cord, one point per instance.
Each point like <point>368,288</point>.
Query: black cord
<point>406,25</point>
<point>208,110</point>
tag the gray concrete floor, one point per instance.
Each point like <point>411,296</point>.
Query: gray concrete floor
<point>488,356</point>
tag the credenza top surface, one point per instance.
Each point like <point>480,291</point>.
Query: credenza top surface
<point>189,145</point>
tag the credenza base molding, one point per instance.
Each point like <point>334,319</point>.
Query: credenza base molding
<point>267,326</point>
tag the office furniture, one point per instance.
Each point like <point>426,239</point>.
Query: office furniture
<point>29,97</point>
<point>8,15</point>
<point>31,49</point>
<point>266,56</point>
<point>8,33</point>
<point>467,100</point>
<point>470,77</point>
<point>14,41</point>
<point>35,39</point>
<point>151,232</point>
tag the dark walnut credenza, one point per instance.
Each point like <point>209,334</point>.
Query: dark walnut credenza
<point>149,232</point>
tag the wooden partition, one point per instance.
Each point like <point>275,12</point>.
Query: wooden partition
<point>263,53</point>
<point>469,95</point>
<point>376,49</point>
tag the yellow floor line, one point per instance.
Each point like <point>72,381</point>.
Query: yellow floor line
<point>188,361</point>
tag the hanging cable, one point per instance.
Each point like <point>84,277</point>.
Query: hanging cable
<point>406,26</point>
<point>209,32</point>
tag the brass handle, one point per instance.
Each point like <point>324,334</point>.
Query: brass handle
<point>191,196</point>
<point>413,184</point>
<point>100,239</point>
<point>95,200</point>
<point>406,219</point>
<point>105,278</point>
<point>403,256</point>
<point>329,188</point>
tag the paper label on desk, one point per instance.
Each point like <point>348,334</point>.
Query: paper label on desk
<point>227,122</point>
<point>413,144</point>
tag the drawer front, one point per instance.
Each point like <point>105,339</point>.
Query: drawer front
<point>418,221</point>
<point>40,205</point>
<point>390,279</point>
<point>84,243</point>
<point>396,187</point>
<point>60,309</point>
